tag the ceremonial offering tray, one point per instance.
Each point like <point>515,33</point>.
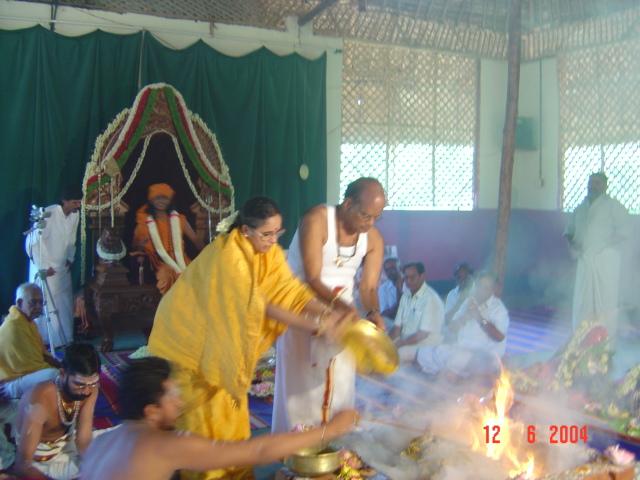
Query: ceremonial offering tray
<point>314,462</point>
<point>373,349</point>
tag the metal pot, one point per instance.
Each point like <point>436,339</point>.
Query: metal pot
<point>314,462</point>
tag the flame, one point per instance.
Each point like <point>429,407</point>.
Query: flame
<point>509,451</point>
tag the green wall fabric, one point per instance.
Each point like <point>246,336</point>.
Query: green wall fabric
<point>59,93</point>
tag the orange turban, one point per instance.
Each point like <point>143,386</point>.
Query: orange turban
<point>160,190</point>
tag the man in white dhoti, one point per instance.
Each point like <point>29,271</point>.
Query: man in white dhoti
<point>51,251</point>
<point>420,314</point>
<point>55,419</point>
<point>481,324</point>
<point>315,378</point>
<point>596,232</point>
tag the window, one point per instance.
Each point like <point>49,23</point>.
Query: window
<point>408,119</point>
<point>600,123</point>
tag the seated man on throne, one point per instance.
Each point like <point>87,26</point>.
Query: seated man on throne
<point>159,234</point>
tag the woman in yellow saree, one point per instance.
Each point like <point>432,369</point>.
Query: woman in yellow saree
<point>221,316</point>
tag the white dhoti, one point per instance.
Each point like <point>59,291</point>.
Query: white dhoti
<point>598,230</point>
<point>59,305</point>
<point>53,247</point>
<point>461,361</point>
<point>314,379</point>
<point>58,459</point>
<point>596,293</point>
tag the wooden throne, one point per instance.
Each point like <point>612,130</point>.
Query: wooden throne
<point>157,140</point>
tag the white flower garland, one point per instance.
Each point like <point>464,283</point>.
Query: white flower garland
<point>176,233</point>
<point>192,187</point>
<point>176,238</point>
<point>196,140</point>
<point>111,257</point>
<point>224,225</point>
<point>97,162</point>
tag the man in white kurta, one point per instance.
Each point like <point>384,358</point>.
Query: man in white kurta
<point>596,232</point>
<point>463,275</point>
<point>51,251</point>
<point>420,315</point>
<point>315,378</point>
<point>481,323</point>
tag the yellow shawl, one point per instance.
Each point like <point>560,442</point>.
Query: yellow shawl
<point>213,321</point>
<point>21,348</point>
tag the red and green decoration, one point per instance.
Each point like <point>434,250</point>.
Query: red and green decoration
<point>140,123</point>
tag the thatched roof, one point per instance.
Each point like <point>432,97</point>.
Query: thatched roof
<point>474,27</point>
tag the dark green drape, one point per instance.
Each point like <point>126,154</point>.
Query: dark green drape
<point>58,93</point>
<point>268,113</point>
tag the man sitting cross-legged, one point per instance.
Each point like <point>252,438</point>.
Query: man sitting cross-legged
<point>480,325</point>
<point>146,445</point>
<point>55,418</point>
<point>24,362</point>
<point>420,314</point>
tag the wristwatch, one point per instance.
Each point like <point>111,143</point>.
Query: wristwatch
<point>373,311</point>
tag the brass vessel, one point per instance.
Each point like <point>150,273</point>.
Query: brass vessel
<point>373,349</point>
<point>314,462</point>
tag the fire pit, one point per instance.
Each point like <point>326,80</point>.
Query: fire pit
<point>478,439</point>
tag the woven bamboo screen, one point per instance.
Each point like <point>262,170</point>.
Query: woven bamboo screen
<point>600,121</point>
<point>408,119</point>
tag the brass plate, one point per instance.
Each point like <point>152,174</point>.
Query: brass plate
<point>373,349</point>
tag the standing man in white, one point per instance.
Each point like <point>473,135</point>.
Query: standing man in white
<point>315,378</point>
<point>596,232</point>
<point>52,250</point>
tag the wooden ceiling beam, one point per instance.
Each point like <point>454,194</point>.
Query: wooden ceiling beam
<point>315,11</point>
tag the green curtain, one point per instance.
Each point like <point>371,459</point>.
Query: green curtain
<point>59,93</point>
<point>268,113</point>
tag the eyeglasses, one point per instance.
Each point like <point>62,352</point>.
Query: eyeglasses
<point>270,235</point>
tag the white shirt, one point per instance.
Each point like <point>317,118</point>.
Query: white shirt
<point>473,336</point>
<point>387,294</point>
<point>597,225</point>
<point>455,295</point>
<point>55,245</point>
<point>423,311</point>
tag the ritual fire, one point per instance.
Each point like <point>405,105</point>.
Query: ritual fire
<point>496,437</point>
<point>504,440</point>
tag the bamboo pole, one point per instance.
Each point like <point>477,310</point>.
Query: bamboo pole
<point>508,141</point>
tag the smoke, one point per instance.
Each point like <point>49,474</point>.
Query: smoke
<point>414,428</point>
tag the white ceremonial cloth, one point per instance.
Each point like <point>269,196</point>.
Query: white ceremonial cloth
<point>306,364</point>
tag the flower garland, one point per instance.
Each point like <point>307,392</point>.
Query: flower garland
<point>224,225</point>
<point>105,167</point>
<point>184,112</point>
<point>111,257</point>
<point>575,354</point>
<point>176,238</point>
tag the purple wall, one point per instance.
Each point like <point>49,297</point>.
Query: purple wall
<point>537,253</point>
<point>539,267</point>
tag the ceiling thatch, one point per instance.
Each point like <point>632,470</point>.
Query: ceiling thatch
<point>476,27</point>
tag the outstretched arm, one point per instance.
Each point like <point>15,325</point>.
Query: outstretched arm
<point>197,453</point>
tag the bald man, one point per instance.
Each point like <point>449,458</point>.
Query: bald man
<point>315,378</point>
<point>24,362</point>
